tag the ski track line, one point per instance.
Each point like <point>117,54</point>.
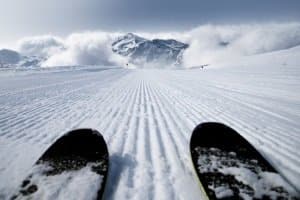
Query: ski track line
<point>253,107</point>
<point>54,98</point>
<point>125,153</point>
<point>206,87</point>
<point>171,131</point>
<point>173,154</point>
<point>48,85</point>
<point>112,109</point>
<point>151,154</point>
<point>36,114</point>
<point>272,132</point>
<point>279,139</point>
<point>270,137</point>
<point>36,107</point>
<point>131,145</point>
<point>252,132</point>
<point>125,158</point>
<point>96,102</point>
<point>116,141</point>
<point>283,138</point>
<point>125,113</point>
<point>163,165</point>
<point>143,153</point>
<point>160,154</point>
<point>181,139</point>
<point>155,153</point>
<point>47,94</point>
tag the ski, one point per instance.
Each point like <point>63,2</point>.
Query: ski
<point>74,167</point>
<point>229,167</point>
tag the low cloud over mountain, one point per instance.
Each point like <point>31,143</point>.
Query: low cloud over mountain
<point>206,44</point>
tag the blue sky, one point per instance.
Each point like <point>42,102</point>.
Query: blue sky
<point>21,18</point>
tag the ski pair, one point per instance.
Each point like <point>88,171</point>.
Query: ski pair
<point>227,165</point>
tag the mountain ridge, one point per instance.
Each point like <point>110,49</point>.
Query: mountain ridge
<point>11,58</point>
<point>142,51</point>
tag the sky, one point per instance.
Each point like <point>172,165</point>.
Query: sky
<point>23,18</point>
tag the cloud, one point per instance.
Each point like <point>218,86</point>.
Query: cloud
<point>88,48</point>
<point>209,44</point>
<point>44,46</point>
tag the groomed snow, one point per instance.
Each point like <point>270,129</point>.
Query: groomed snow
<point>147,117</point>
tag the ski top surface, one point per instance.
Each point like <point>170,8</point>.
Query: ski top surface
<point>74,167</point>
<point>229,167</point>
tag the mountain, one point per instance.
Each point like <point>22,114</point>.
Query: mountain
<point>31,61</point>
<point>142,51</point>
<point>10,58</point>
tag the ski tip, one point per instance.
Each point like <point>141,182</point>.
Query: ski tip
<point>221,136</point>
<point>212,133</point>
<point>78,157</point>
<point>85,142</point>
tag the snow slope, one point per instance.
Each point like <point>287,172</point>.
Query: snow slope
<point>147,117</point>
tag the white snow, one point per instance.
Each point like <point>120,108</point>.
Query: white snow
<point>77,184</point>
<point>223,192</point>
<point>247,172</point>
<point>147,117</point>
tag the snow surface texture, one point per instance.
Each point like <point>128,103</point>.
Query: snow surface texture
<point>147,118</point>
<point>76,184</point>
<point>230,175</point>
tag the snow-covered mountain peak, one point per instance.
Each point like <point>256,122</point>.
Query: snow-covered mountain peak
<point>171,43</point>
<point>132,36</point>
<point>10,58</point>
<point>142,51</point>
<point>124,44</point>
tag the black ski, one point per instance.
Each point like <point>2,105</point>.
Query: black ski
<point>229,167</point>
<point>74,167</point>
